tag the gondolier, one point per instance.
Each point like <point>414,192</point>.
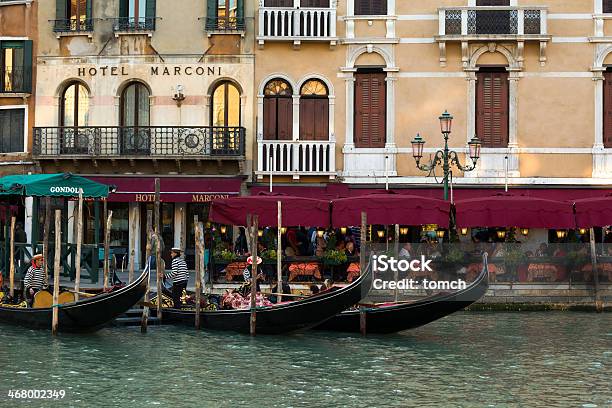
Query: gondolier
<point>35,278</point>
<point>179,276</point>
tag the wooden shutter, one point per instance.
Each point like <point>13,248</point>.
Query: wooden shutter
<point>307,119</point>
<point>284,118</point>
<point>321,112</point>
<point>370,7</point>
<point>240,13</point>
<point>211,15</point>
<point>492,95</point>
<point>123,8</point>
<point>150,13</point>
<point>60,10</point>
<point>370,110</point>
<point>607,122</point>
<point>607,6</point>
<point>269,126</point>
<point>27,66</point>
<point>88,10</point>
<point>492,2</point>
<point>314,3</point>
<point>11,130</point>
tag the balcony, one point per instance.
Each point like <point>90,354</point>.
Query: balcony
<point>296,158</point>
<point>73,26</point>
<point>297,24</point>
<point>225,25</point>
<point>493,23</point>
<point>159,142</point>
<point>131,25</point>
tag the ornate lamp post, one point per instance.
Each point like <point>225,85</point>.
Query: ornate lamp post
<point>446,158</point>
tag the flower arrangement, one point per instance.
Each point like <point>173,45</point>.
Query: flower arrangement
<point>225,255</point>
<point>269,255</point>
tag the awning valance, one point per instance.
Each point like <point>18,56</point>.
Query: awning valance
<point>296,211</point>
<point>594,212</point>
<point>52,185</point>
<point>507,210</point>
<point>387,209</point>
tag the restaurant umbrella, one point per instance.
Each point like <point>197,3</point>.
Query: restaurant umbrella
<point>594,212</point>
<point>508,210</point>
<point>52,185</point>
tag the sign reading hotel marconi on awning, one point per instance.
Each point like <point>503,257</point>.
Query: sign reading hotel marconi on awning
<point>153,70</point>
<point>172,189</point>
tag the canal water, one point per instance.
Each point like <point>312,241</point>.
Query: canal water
<point>470,359</point>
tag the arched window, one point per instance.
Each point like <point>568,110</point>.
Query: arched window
<point>225,105</point>
<point>314,111</point>
<point>74,109</point>
<point>278,110</point>
<point>135,119</point>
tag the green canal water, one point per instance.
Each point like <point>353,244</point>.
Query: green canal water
<point>470,359</point>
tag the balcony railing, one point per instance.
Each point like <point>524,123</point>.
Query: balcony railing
<point>296,158</point>
<point>14,79</point>
<point>134,142</point>
<point>225,24</point>
<point>73,25</point>
<point>133,25</point>
<point>297,24</point>
<point>492,21</point>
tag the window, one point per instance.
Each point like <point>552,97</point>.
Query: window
<point>74,110</point>
<point>136,15</point>
<point>607,121</point>
<point>315,3</point>
<point>278,3</point>
<point>607,6</point>
<point>225,105</point>
<point>370,7</point>
<point>12,122</point>
<point>135,119</point>
<point>493,21</point>
<point>314,111</point>
<point>370,109</point>
<point>225,15</point>
<point>73,15</point>
<point>278,111</point>
<point>492,97</point>
<point>15,66</point>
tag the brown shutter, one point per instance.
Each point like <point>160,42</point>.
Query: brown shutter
<point>285,119</point>
<point>321,114</point>
<point>370,110</point>
<point>607,122</point>
<point>307,119</point>
<point>492,96</point>
<point>269,126</point>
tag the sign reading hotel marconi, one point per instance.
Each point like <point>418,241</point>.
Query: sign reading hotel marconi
<point>159,70</point>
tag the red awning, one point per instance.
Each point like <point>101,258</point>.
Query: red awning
<point>594,212</point>
<point>507,210</point>
<point>295,211</point>
<point>173,189</point>
<point>390,209</point>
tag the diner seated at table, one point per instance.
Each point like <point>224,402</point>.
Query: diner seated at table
<point>350,249</point>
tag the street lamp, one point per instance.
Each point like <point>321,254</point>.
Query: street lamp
<point>446,157</point>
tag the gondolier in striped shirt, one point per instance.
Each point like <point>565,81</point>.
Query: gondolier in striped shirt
<point>179,276</point>
<point>35,278</point>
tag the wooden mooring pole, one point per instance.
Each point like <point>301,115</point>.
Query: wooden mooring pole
<point>79,238</point>
<point>109,221</point>
<point>198,271</point>
<point>12,260</point>
<point>132,245</point>
<point>158,243</point>
<point>598,302</point>
<point>279,254</point>
<point>362,265</point>
<point>145,309</point>
<point>46,234</point>
<point>56,271</point>
<point>254,230</point>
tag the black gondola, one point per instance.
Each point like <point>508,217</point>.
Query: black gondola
<point>282,318</point>
<point>393,318</point>
<point>86,315</point>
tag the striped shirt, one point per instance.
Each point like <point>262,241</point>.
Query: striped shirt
<point>179,271</point>
<point>34,278</point>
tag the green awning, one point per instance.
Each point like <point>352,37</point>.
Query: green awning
<point>52,185</point>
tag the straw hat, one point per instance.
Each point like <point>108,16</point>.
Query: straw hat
<point>177,250</point>
<point>37,257</point>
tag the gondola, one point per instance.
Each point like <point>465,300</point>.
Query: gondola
<point>282,318</point>
<point>396,317</point>
<point>84,315</point>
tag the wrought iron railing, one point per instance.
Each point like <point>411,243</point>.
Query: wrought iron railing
<point>68,25</point>
<point>13,79</point>
<point>149,141</point>
<point>303,23</point>
<point>493,21</point>
<point>301,157</point>
<point>132,24</point>
<point>225,24</point>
